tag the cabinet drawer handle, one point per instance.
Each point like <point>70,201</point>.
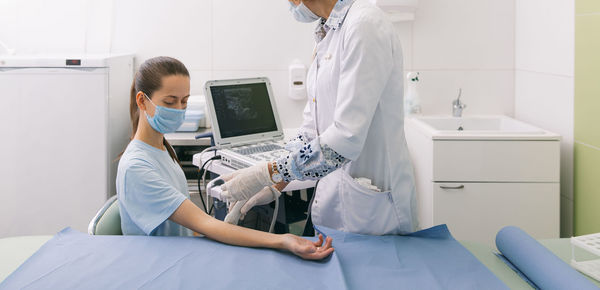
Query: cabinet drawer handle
<point>452,187</point>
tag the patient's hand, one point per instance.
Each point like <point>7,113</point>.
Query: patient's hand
<point>307,249</point>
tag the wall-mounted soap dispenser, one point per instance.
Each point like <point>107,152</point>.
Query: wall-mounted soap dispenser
<point>297,82</point>
<point>398,10</point>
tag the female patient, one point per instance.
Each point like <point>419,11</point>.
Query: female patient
<point>151,187</point>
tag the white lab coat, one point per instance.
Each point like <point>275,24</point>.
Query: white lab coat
<point>355,91</point>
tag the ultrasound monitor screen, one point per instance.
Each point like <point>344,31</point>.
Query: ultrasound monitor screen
<point>243,109</point>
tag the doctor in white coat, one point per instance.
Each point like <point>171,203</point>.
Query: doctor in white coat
<point>353,127</point>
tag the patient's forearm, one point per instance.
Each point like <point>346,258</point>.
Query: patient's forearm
<point>192,217</point>
<point>235,235</point>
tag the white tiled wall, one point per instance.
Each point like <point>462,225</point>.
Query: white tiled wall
<point>175,28</point>
<point>464,34</point>
<point>544,90</point>
<point>8,22</point>
<point>509,57</point>
<point>37,26</point>
<point>99,26</point>
<point>545,36</point>
<point>466,44</point>
<point>218,40</point>
<point>484,91</point>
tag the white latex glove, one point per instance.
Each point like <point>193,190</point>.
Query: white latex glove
<point>239,209</point>
<point>265,196</point>
<point>245,183</point>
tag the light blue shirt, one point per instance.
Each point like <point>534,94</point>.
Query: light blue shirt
<point>150,187</point>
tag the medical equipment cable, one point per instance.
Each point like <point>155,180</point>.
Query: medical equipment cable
<point>212,148</point>
<point>208,211</point>
<point>312,199</point>
<point>202,181</point>
<point>276,210</point>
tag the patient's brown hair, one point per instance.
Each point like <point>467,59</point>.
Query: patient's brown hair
<point>148,79</point>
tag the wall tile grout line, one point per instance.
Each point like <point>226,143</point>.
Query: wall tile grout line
<point>464,69</point>
<point>588,14</point>
<point>546,73</point>
<point>587,145</point>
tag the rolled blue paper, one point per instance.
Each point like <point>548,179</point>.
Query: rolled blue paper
<point>537,263</point>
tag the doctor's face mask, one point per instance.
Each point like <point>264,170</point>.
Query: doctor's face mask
<point>302,13</point>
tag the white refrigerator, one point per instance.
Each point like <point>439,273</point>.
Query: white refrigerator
<point>63,123</point>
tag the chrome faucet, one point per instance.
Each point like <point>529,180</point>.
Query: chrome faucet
<point>457,106</point>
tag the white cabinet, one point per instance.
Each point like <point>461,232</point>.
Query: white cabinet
<point>478,185</point>
<point>477,211</point>
<point>496,161</point>
<point>63,128</point>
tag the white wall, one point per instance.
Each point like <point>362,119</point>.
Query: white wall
<point>544,90</point>
<point>509,57</point>
<point>466,44</point>
<point>215,39</point>
<point>219,39</point>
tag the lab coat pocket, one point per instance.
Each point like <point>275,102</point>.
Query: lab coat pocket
<point>367,211</point>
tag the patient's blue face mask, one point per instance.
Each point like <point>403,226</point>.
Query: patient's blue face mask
<point>165,120</point>
<point>302,13</point>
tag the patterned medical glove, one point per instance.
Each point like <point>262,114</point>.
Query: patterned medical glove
<point>245,183</point>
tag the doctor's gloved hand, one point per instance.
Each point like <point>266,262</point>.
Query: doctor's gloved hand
<point>245,183</point>
<point>265,196</point>
<point>233,212</point>
<point>239,209</point>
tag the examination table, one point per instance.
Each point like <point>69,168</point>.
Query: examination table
<point>364,262</point>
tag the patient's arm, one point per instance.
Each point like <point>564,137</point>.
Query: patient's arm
<point>192,217</point>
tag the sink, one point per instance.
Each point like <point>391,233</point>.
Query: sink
<point>492,127</point>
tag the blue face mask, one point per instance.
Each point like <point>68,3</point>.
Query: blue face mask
<point>165,120</point>
<point>302,13</point>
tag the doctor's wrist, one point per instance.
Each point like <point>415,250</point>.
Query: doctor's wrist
<point>281,186</point>
<point>270,168</point>
<point>274,173</point>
